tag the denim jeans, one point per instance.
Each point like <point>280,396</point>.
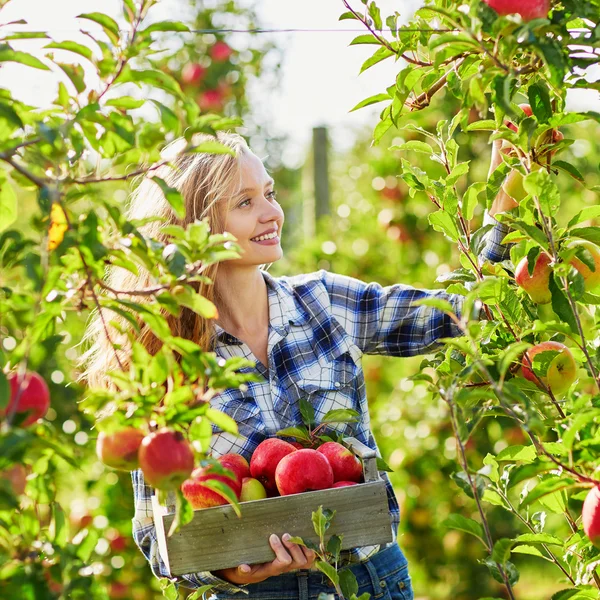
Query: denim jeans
<point>384,576</point>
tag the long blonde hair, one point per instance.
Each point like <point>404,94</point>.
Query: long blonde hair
<point>203,180</point>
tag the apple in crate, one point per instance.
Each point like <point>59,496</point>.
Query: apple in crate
<point>199,495</point>
<point>252,489</point>
<point>345,465</point>
<point>303,471</point>
<point>339,484</point>
<point>265,459</point>
<point>236,463</point>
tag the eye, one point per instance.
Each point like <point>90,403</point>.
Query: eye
<point>272,194</point>
<point>244,203</point>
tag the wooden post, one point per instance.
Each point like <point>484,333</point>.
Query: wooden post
<point>321,172</point>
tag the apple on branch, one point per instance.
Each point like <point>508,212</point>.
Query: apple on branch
<point>560,371</point>
<point>166,459</point>
<point>119,449</point>
<point>590,515</point>
<point>29,395</point>
<point>527,9</point>
<point>590,277</point>
<point>538,284</point>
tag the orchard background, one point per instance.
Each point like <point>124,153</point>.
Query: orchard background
<point>490,471</point>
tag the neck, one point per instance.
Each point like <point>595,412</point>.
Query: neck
<point>242,299</point>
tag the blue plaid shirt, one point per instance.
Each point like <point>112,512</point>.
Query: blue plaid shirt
<point>320,326</point>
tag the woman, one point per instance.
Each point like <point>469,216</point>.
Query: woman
<point>306,334</point>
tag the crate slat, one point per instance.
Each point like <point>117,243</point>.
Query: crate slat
<point>218,539</point>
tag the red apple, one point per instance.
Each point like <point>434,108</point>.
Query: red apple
<point>166,459</point>
<point>590,515</point>
<point>200,495</point>
<point>220,52</point>
<point>192,74</point>
<point>297,445</point>
<point>118,543</point>
<point>118,590</point>
<point>591,278</point>
<point>537,286</point>
<point>210,100</point>
<point>252,489</point>
<point>30,395</point>
<point>265,459</point>
<point>16,475</point>
<point>339,484</point>
<point>303,471</point>
<point>119,449</point>
<point>345,465</point>
<point>236,463</point>
<point>528,9</point>
<point>561,371</point>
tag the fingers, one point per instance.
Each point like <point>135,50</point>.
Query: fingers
<point>282,558</point>
<point>289,556</point>
<point>296,552</point>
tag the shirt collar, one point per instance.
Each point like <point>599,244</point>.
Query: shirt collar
<point>284,310</point>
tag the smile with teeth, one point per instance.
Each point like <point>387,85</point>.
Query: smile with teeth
<point>268,236</point>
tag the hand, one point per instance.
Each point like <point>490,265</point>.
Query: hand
<point>288,557</point>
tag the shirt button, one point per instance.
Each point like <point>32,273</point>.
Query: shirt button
<point>401,585</point>
<point>382,584</point>
<point>337,384</point>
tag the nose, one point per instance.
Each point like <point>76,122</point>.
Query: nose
<point>271,211</point>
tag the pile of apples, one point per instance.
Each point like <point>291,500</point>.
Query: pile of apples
<point>276,468</point>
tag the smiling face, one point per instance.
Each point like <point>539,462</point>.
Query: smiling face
<point>254,216</point>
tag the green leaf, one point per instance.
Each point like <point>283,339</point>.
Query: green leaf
<point>211,147</point>
<point>125,102</point>
<point>494,498</point>
<point>515,453</point>
<point>508,356</point>
<point>59,525</point>
<point>165,26</point>
<point>307,412</point>
<point>108,24</point>
<point>491,462</point>
<point>222,420</point>
<point>319,522</point>
<point>381,54</point>
<point>570,169</point>
<point>443,222</point>
<point>548,486</point>
<point>7,54</point>
<point>225,491</point>
<point>590,212</point>
<point>328,570</point>
<point>341,415</point>
<point>501,551</point>
<point>296,432</point>
<point>8,202</point>
<point>456,521</point>
<point>531,550</point>
<point>367,38</point>
<point>469,199</point>
<point>194,301</point>
<point>484,125</point>
<point>539,538</point>
<point>561,305</point>
<point>72,47</point>
<point>539,100</point>
<point>538,183</point>
<point>173,197</point>
<point>348,583</point>
<point>587,233</point>
<point>371,100</point>
<point>415,146</point>
<point>168,588</point>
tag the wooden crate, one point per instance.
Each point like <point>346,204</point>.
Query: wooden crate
<point>218,539</point>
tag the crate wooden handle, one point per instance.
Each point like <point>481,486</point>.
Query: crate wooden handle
<point>368,456</point>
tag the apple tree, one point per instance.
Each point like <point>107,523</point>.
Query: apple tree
<point>532,365</point>
<point>65,172</point>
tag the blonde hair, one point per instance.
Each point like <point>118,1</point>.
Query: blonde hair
<point>203,180</point>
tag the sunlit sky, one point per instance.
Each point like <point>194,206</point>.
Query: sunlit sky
<point>320,81</point>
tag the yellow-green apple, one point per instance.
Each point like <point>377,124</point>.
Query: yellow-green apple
<point>28,395</point>
<point>16,475</point>
<point>590,515</point>
<point>119,449</point>
<point>345,465</point>
<point>252,489</point>
<point>591,278</point>
<point>528,9</point>
<point>192,73</point>
<point>304,470</point>
<point>166,459</point>
<point>538,285</point>
<point>236,463</point>
<point>561,369</point>
<point>265,459</point>
<point>200,495</point>
<point>339,484</point>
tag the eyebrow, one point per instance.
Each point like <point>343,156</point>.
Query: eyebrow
<point>250,189</point>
